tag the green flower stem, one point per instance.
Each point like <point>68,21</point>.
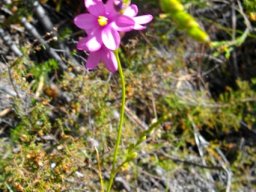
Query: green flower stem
<point>120,126</point>
<point>151,128</point>
<point>133,147</point>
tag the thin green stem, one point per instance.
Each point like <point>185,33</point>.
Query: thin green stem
<point>99,170</point>
<point>148,131</point>
<point>133,147</point>
<point>120,126</point>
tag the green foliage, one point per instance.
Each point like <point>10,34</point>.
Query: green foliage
<point>227,47</point>
<point>44,68</point>
<point>32,125</point>
<point>65,33</point>
<point>41,71</point>
<point>223,116</point>
<point>250,5</point>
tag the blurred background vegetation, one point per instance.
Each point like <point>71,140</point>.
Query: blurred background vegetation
<point>190,81</point>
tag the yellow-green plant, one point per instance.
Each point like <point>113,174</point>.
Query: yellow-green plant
<point>184,20</point>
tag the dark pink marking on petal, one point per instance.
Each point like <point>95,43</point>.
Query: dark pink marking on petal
<point>124,21</point>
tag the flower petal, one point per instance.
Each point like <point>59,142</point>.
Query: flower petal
<point>110,6</point>
<point>123,22</point>
<point>143,19</point>
<point>138,27</point>
<point>131,11</point>
<point>110,61</point>
<point>93,60</point>
<point>81,44</point>
<point>86,21</point>
<point>93,42</point>
<point>95,7</point>
<point>110,38</point>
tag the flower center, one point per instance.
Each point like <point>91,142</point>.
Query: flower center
<point>102,21</point>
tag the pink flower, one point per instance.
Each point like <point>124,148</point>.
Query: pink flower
<point>131,11</point>
<point>101,24</point>
<point>106,56</point>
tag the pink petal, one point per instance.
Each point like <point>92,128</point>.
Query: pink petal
<point>111,9</point>
<point>138,27</point>
<point>143,19</point>
<point>110,6</point>
<point>93,42</point>
<point>110,38</point>
<point>110,61</point>
<point>93,60</point>
<point>88,3</point>
<point>81,45</point>
<point>85,21</point>
<point>123,23</point>
<point>131,11</point>
<point>95,7</point>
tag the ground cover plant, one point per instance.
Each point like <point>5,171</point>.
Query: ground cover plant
<point>188,118</point>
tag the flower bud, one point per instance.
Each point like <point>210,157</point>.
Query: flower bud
<point>132,155</point>
<point>198,34</point>
<point>184,20</point>
<point>171,6</point>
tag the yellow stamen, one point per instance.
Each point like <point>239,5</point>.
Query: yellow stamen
<point>102,21</point>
